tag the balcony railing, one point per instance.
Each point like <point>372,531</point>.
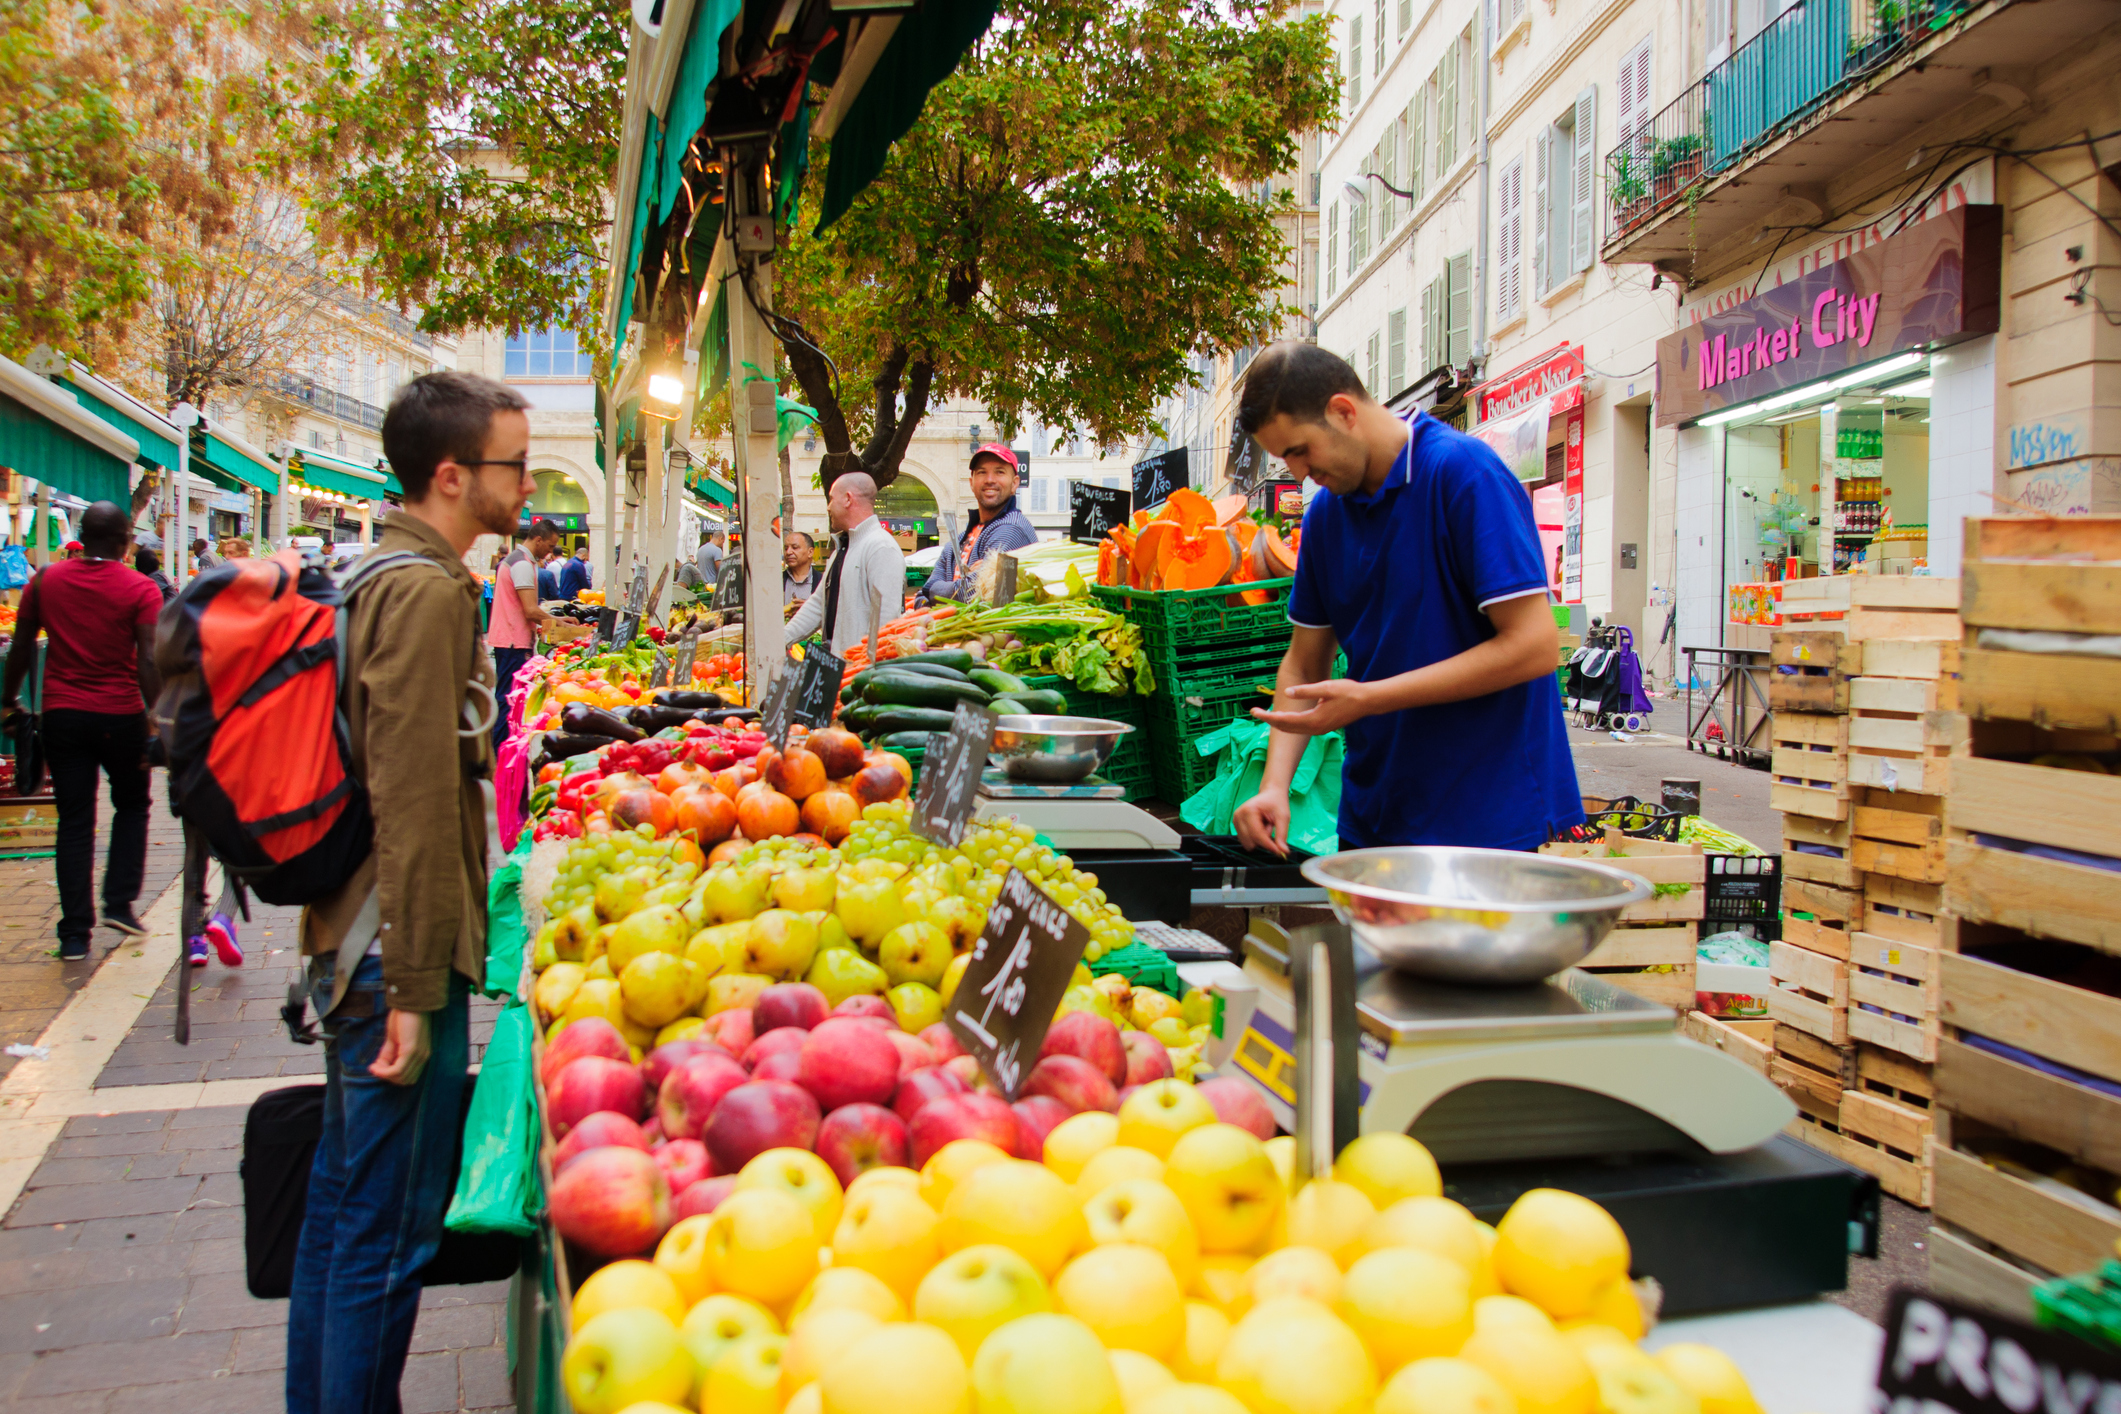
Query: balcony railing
<point>1804,57</point>
<point>328,401</point>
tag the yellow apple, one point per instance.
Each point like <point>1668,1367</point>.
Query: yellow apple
<point>1330,1216</point>
<point>1192,1398</point>
<point>886,1230</point>
<point>1558,1250</point>
<point>1128,1295</point>
<point>885,1176</point>
<point>1044,1364</point>
<point>1443,1385</point>
<point>1711,1376</point>
<point>804,1177</point>
<point>763,1244</point>
<point>844,1288</point>
<point>970,1294</point>
<point>747,1377</point>
<point>816,1339</point>
<point>1138,1376</point>
<point>683,1255</point>
<point>1388,1167</point>
<point>1616,1305</point>
<point>1157,1114</point>
<point>1120,1163</point>
<point>1145,1211</point>
<point>1228,1184</point>
<point>1502,1313</point>
<point>1407,1305</point>
<point>1222,1281</point>
<point>625,1357</point>
<point>1016,1204</point>
<point>555,988</point>
<point>1073,1142</point>
<point>685,1027</point>
<point>1293,1356</point>
<point>953,1164</point>
<point>652,988</point>
<point>717,1323</point>
<point>1433,1224</point>
<point>905,1368</point>
<point>626,1285</point>
<point>1293,1271</point>
<point>1542,1368</point>
<point>1631,1381</point>
<point>1207,1331</point>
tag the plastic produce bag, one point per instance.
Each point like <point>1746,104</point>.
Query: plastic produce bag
<point>1314,792</point>
<point>14,567</point>
<point>506,935</point>
<point>1142,966</point>
<point>497,1187</point>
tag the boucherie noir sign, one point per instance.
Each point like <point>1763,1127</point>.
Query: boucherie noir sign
<point>1933,284</point>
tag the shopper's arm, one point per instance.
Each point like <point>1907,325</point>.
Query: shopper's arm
<point>1263,821</point>
<point>144,661</point>
<point>22,654</point>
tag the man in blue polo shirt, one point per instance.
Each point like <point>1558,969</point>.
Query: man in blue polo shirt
<point>1421,559</point>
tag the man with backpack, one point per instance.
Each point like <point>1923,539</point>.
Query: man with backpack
<point>394,951</point>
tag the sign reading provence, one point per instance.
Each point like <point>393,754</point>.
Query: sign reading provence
<point>1934,284</point>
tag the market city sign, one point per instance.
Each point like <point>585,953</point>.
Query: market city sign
<point>1934,284</point>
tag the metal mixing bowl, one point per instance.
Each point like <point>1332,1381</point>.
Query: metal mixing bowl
<point>1053,750</point>
<point>1486,916</point>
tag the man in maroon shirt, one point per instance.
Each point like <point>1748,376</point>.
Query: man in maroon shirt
<point>99,676</point>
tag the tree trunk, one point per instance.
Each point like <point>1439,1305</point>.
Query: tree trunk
<point>900,389</point>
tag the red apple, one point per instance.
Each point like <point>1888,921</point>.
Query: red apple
<point>755,1117</point>
<point>591,1036</point>
<point>780,1065</point>
<point>943,1041</point>
<point>970,1116</point>
<point>856,1138</point>
<point>921,1086</point>
<point>789,1004</point>
<point>846,1061</point>
<point>590,1084</point>
<point>702,1197</point>
<point>1236,1102</point>
<point>1090,1037</point>
<point>594,1132</point>
<point>869,1007</point>
<point>913,1053</point>
<point>1147,1059</point>
<point>684,1162</point>
<point>1074,1082</point>
<point>781,1038</point>
<point>691,1092</point>
<point>1036,1115</point>
<point>611,1201</point>
<point>658,1063</point>
<point>732,1030</point>
<point>652,1131</point>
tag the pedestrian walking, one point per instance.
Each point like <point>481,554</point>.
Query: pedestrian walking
<point>201,557</point>
<point>99,675</point>
<point>801,576</point>
<point>397,947</point>
<point>518,619</point>
<point>149,563</point>
<point>574,575</point>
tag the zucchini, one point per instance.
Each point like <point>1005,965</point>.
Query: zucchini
<point>856,718</point>
<point>997,681</point>
<point>852,692</point>
<point>920,690</point>
<point>906,741</point>
<point>932,670</point>
<point>891,721</point>
<point>1042,701</point>
<point>1009,707</point>
<point>956,658</point>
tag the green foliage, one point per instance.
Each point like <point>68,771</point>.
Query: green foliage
<point>1074,214</point>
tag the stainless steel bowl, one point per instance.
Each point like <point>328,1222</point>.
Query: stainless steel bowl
<point>1053,750</point>
<point>1486,916</point>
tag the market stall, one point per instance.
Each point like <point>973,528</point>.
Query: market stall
<point>319,486</point>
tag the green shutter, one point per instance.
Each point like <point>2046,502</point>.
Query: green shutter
<point>1447,111</point>
<point>1458,332</point>
<point>1395,351</point>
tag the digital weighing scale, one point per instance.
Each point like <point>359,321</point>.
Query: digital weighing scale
<point>1091,814</point>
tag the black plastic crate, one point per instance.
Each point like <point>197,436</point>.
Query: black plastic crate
<point>1743,889</point>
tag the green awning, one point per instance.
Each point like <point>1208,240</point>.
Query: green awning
<point>214,453</point>
<point>342,477</point>
<point>157,437</point>
<point>41,449</point>
<point>713,492</point>
<point>922,52</point>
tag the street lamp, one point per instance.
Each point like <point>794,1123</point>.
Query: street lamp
<point>1356,191</point>
<point>666,390</point>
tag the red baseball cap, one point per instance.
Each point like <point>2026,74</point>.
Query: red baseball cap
<point>995,449</point>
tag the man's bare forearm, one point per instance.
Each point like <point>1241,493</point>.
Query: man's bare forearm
<point>1305,662</point>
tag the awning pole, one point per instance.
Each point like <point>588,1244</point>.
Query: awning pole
<point>751,411</point>
<point>182,562</point>
<point>39,535</point>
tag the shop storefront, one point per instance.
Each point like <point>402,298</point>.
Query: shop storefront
<point>1806,415</point>
<point>1533,417</point>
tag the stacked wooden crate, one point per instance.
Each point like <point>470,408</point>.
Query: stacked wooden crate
<point>2027,1147</point>
<point>1651,949</point>
<point>1866,723</point>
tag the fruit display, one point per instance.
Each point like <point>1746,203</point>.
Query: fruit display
<point>1153,1261</point>
<point>1191,542</point>
<point>612,677</point>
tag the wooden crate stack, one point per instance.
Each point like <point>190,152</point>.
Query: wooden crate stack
<point>2027,1142</point>
<point>1651,950</point>
<point>1865,696</point>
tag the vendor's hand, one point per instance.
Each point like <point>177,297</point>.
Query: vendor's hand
<point>1339,702</point>
<point>405,1048</point>
<point>1263,821</point>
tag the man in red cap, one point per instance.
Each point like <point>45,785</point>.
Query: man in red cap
<point>998,526</point>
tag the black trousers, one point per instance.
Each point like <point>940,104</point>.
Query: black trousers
<point>78,745</point>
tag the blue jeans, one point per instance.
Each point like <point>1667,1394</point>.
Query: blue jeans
<point>377,1193</point>
<point>507,662</point>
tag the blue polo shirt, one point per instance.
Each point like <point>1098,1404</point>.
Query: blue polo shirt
<point>1401,578</point>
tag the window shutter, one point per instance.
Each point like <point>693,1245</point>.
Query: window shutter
<point>1380,201</point>
<point>1389,169</point>
<point>1332,247</point>
<point>1580,180</point>
<point>1509,233</point>
<point>1458,315</point>
<point>1406,17</point>
<point>1376,373</point>
<point>1354,62</point>
<point>1542,212</point>
<point>1417,140</point>
<point>1377,43</point>
<point>1354,235</point>
<point>1447,111</point>
<point>1395,351</point>
<point>1430,343</point>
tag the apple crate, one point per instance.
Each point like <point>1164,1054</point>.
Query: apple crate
<point>1677,872</point>
<point>1749,1042</point>
<point>1811,992</point>
<point>1888,1141</point>
<point>1905,752</point>
<point>1899,835</point>
<point>1893,995</point>
<point>1814,1073</point>
<point>1655,962</point>
<point>1817,852</point>
<point>1890,1075</point>
<point>1808,765</point>
<point>1812,669</point>
<point>1867,606</point>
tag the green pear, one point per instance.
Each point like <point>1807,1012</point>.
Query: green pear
<point>656,928</point>
<point>914,952</point>
<point>841,973</point>
<point>733,895</point>
<point>869,909</point>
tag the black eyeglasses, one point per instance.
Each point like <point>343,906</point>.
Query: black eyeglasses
<point>521,464</point>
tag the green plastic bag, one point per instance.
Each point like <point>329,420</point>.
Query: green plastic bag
<point>1142,966</point>
<point>498,1188</point>
<point>506,937</point>
<point>1314,791</point>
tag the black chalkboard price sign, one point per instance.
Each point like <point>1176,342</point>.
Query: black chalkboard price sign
<point>1942,1356</point>
<point>1094,509</point>
<point>688,649</point>
<point>776,709</point>
<point>1020,968</point>
<point>659,674</point>
<point>1158,476</point>
<point>729,583</point>
<point>950,775</point>
<point>817,687</point>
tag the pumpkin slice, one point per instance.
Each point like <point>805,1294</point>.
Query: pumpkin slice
<point>1229,510</point>
<point>1278,557</point>
<point>1190,509</point>
<point>1201,561</point>
<point>1151,546</point>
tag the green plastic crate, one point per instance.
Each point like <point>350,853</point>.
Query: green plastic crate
<point>2086,1306</point>
<point>1171,619</point>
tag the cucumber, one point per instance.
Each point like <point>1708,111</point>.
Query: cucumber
<point>956,658</point>
<point>906,741</point>
<point>1042,701</point>
<point>997,681</point>
<point>932,670</point>
<point>891,721</point>
<point>852,692</point>
<point>856,718</point>
<point>1009,707</point>
<point>920,690</point>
